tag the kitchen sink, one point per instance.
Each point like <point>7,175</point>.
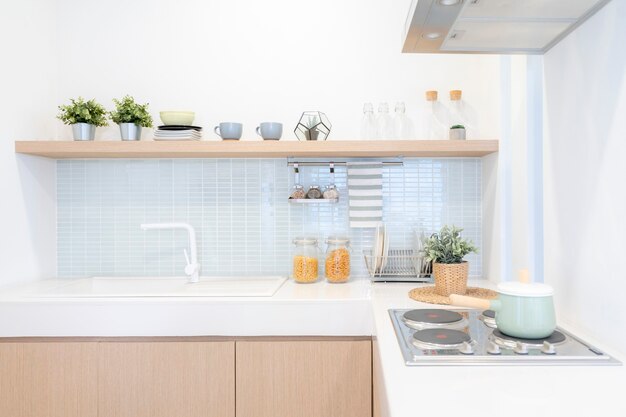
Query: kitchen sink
<point>103,287</point>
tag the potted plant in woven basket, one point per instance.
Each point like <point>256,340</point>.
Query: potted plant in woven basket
<point>446,250</point>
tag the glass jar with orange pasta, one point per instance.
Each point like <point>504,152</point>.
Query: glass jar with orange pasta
<point>337,264</point>
<point>305,260</point>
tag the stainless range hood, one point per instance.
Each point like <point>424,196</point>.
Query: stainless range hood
<point>493,26</point>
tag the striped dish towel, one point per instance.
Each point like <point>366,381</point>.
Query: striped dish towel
<point>365,190</point>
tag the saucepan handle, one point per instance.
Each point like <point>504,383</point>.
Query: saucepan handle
<point>471,302</point>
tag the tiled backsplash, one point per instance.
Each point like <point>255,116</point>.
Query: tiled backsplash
<point>239,208</point>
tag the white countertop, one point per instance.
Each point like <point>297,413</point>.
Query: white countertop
<point>356,308</point>
<point>510,391</point>
<point>319,309</point>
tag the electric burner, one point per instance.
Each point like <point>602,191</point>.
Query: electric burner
<point>432,318</point>
<point>442,339</point>
<point>504,340</point>
<point>445,337</point>
<point>489,318</point>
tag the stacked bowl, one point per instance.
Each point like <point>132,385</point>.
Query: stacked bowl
<point>177,125</point>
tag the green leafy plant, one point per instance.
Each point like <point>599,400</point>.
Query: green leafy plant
<point>128,111</point>
<point>81,111</point>
<point>312,122</point>
<point>458,127</point>
<point>447,246</point>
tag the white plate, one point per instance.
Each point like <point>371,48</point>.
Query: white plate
<point>385,249</point>
<point>175,138</point>
<point>177,133</point>
<point>182,135</point>
<point>378,248</point>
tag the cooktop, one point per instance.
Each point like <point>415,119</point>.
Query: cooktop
<point>470,337</point>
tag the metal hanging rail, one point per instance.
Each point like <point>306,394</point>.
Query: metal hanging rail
<point>340,163</point>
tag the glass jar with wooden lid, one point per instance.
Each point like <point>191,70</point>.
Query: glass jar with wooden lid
<point>305,260</point>
<point>337,264</point>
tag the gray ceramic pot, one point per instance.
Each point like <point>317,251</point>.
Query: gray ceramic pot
<point>84,131</point>
<point>457,134</point>
<point>130,131</point>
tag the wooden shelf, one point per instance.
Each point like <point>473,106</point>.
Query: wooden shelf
<point>257,149</point>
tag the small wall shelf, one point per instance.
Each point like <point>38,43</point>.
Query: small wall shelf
<point>256,149</point>
<point>313,201</point>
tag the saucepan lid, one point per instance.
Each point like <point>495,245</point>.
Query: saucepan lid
<point>521,289</point>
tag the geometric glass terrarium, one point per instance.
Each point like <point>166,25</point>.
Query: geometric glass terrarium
<point>313,125</point>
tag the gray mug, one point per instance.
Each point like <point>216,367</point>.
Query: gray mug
<point>270,130</point>
<point>229,130</point>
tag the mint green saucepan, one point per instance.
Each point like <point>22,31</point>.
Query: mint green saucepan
<point>522,310</point>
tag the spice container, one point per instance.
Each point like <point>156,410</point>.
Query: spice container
<point>305,260</point>
<point>337,259</point>
<point>298,190</point>
<point>314,192</point>
<point>330,192</point>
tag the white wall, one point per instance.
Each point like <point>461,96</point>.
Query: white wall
<point>493,239</point>
<point>508,243</point>
<point>248,61</point>
<point>252,61</point>
<point>585,173</point>
<point>518,187</point>
<point>27,108</point>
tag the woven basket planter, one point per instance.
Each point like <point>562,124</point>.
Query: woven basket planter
<point>451,278</point>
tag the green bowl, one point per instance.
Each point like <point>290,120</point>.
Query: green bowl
<point>177,117</point>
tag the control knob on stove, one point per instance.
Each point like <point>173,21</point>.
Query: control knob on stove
<point>521,348</point>
<point>466,348</point>
<point>548,348</point>
<point>493,348</point>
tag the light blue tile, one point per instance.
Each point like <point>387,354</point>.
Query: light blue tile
<point>239,208</point>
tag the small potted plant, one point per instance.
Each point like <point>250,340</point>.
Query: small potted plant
<point>457,132</point>
<point>311,133</point>
<point>313,125</point>
<point>446,250</point>
<point>84,117</point>
<point>130,117</point>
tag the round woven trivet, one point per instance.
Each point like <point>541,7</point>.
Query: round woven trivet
<point>428,295</point>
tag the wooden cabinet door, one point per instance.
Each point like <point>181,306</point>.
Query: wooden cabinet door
<point>48,379</point>
<point>167,379</point>
<point>304,378</point>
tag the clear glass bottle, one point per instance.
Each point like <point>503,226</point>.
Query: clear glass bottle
<point>337,264</point>
<point>457,112</point>
<point>368,123</point>
<point>384,123</point>
<point>305,260</point>
<point>435,122</point>
<point>403,125</point>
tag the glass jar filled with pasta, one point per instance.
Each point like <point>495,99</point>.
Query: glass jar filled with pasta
<point>337,264</point>
<point>305,260</point>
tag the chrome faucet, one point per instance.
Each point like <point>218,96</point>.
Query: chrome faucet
<point>193,267</point>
